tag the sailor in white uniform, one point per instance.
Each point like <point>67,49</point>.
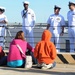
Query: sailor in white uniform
<point>71,25</point>
<point>28,22</point>
<point>28,18</point>
<point>56,26</point>
<point>3,23</point>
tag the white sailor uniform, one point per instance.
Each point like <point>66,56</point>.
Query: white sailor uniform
<point>71,29</point>
<point>2,28</point>
<point>56,22</point>
<point>28,18</point>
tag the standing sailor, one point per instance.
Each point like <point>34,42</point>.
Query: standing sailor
<point>56,23</point>
<point>28,18</point>
<point>3,23</point>
<point>28,22</point>
<point>71,25</point>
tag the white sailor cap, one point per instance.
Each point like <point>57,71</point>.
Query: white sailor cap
<point>26,2</point>
<point>71,3</point>
<point>2,9</point>
<point>56,7</point>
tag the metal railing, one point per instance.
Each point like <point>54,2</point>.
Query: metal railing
<point>11,31</point>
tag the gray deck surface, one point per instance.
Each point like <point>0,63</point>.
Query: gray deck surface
<point>60,69</point>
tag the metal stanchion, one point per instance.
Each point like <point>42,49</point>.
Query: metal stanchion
<point>67,46</point>
<point>7,31</point>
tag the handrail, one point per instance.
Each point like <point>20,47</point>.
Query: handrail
<point>11,30</point>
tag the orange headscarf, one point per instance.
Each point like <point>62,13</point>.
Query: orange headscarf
<point>46,36</point>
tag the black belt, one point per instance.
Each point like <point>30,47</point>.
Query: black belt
<point>2,26</point>
<point>53,28</point>
<point>71,26</point>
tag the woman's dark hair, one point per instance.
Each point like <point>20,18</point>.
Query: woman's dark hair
<point>19,35</point>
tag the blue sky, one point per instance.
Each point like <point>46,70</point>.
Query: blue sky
<point>42,9</point>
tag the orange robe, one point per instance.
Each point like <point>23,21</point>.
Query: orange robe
<point>45,51</point>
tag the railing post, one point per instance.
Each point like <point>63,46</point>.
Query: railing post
<point>67,46</point>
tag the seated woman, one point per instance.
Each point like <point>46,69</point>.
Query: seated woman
<point>3,58</point>
<point>15,57</point>
<point>45,51</point>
